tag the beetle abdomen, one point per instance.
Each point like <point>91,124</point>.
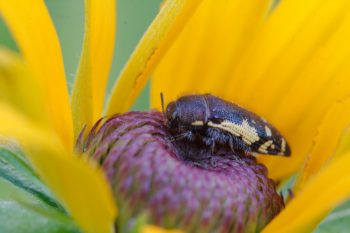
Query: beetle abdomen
<point>253,130</point>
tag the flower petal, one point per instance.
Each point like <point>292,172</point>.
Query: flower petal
<point>153,45</point>
<point>80,185</point>
<point>344,143</point>
<point>288,72</point>
<point>329,188</point>
<point>155,229</point>
<point>90,83</point>
<point>34,32</point>
<point>330,134</point>
<point>19,88</point>
<point>316,83</point>
<point>212,43</point>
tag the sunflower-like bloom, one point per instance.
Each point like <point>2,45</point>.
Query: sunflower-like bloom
<point>288,62</point>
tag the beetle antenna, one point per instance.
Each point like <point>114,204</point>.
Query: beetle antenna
<point>162,102</point>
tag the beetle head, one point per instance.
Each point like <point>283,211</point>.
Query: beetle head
<point>182,113</point>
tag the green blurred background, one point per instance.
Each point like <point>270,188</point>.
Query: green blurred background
<point>133,16</point>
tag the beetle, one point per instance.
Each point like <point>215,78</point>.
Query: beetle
<point>217,121</point>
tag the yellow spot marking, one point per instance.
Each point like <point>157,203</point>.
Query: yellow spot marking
<point>283,145</point>
<point>273,146</point>
<point>264,151</point>
<point>268,131</point>
<point>263,147</point>
<point>248,133</point>
<point>198,123</point>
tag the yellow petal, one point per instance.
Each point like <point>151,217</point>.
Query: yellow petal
<point>329,136</point>
<point>90,83</point>
<point>344,144</point>
<point>34,32</point>
<point>311,89</point>
<point>208,48</point>
<point>79,184</point>
<point>321,195</point>
<point>155,229</point>
<point>19,88</point>
<point>290,72</point>
<point>153,45</point>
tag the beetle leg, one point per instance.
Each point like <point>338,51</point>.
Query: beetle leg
<point>188,135</point>
<point>213,162</point>
<point>209,142</point>
<point>212,146</point>
<point>230,141</point>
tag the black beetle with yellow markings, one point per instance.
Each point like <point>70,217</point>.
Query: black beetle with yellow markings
<point>217,121</point>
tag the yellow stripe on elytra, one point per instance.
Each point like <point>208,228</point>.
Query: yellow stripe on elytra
<point>283,146</point>
<point>263,147</point>
<point>268,131</point>
<point>249,134</point>
<point>197,123</point>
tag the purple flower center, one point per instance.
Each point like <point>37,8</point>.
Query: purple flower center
<point>180,184</point>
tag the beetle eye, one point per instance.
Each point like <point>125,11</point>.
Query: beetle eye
<point>171,111</point>
<point>174,116</point>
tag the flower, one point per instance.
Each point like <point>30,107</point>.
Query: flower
<point>290,68</point>
<point>179,184</point>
